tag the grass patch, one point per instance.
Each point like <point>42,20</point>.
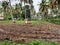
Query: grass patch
<point>23,22</point>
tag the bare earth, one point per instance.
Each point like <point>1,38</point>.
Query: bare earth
<point>25,33</point>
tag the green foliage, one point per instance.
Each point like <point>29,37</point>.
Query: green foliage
<point>55,20</point>
<point>35,42</point>
<point>10,43</point>
<point>26,12</point>
<point>4,4</point>
<point>8,17</point>
<point>43,9</point>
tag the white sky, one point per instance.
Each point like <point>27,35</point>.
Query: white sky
<point>35,2</point>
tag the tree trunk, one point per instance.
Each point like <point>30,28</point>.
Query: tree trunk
<point>11,10</point>
<point>43,16</point>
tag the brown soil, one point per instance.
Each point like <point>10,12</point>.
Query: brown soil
<point>19,33</point>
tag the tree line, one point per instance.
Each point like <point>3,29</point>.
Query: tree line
<point>28,11</point>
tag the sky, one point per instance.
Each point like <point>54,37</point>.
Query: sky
<point>35,2</point>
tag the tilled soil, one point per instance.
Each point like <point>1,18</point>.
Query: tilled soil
<point>25,33</point>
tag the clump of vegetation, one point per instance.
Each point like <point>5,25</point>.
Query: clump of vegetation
<point>54,20</point>
<point>37,42</point>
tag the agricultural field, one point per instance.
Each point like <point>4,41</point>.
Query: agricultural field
<point>20,32</point>
<point>29,22</point>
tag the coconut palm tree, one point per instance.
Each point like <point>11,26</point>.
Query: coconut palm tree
<point>4,6</point>
<point>21,3</point>
<point>56,9</point>
<point>30,2</point>
<point>43,9</point>
<point>51,5</point>
<point>33,12</point>
<point>26,1</point>
<point>11,11</point>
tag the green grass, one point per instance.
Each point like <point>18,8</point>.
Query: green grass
<point>37,42</point>
<point>23,22</point>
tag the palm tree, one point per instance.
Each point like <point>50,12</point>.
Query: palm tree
<point>17,11</point>
<point>30,6</point>
<point>4,6</point>
<point>21,3</point>
<point>20,9</point>
<point>11,11</point>
<point>33,12</point>
<point>51,5</point>
<point>56,9</point>
<point>43,9</point>
<point>26,1</point>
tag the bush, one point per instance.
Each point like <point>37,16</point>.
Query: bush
<point>8,17</point>
<point>54,20</point>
